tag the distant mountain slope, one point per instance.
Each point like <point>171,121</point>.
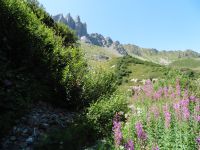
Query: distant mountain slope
<point>161,57</point>
<point>150,54</point>
<point>93,38</point>
<point>192,63</point>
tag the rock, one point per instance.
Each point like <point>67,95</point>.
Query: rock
<point>119,48</point>
<point>29,140</point>
<point>97,39</point>
<point>94,38</point>
<point>70,21</point>
<point>44,125</point>
<point>77,25</point>
<point>32,126</point>
<point>7,83</point>
<point>25,131</point>
<point>12,138</point>
<point>101,57</point>
<point>85,39</point>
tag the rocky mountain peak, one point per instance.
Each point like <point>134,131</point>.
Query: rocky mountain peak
<point>78,19</point>
<point>93,38</point>
<point>77,25</point>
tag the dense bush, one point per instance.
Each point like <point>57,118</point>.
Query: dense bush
<point>100,113</point>
<point>68,36</point>
<point>122,68</point>
<point>98,83</point>
<point>39,60</point>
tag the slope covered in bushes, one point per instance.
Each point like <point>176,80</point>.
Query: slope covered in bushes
<point>39,60</point>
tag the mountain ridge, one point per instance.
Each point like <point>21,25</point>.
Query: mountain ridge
<point>150,54</point>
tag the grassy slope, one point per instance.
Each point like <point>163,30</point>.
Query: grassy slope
<point>161,57</point>
<point>192,63</point>
<point>139,71</point>
<point>91,51</point>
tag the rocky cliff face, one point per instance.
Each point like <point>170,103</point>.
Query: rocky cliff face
<point>93,38</point>
<point>77,25</point>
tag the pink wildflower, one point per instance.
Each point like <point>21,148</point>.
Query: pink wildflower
<point>178,88</point>
<point>140,132</point>
<point>176,107</point>
<point>129,145</point>
<point>165,90</point>
<point>155,148</point>
<point>117,130</point>
<point>158,94</point>
<point>167,116</point>
<point>148,88</point>
<point>185,109</point>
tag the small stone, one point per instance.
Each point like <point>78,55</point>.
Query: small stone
<point>61,142</point>
<point>12,138</point>
<point>44,125</point>
<point>27,148</point>
<point>25,131</point>
<point>29,140</point>
<point>23,145</point>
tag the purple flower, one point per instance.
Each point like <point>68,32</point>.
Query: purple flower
<point>158,94</point>
<point>129,145</point>
<point>197,118</point>
<point>148,88</point>
<point>155,148</point>
<point>178,88</point>
<point>140,133</point>
<point>186,113</point>
<point>176,107</point>
<point>117,130</point>
<point>197,108</point>
<point>192,98</point>
<point>185,109</point>
<point>155,111</point>
<point>172,95</point>
<point>186,96</point>
<point>167,116</point>
<point>165,90</point>
<point>198,140</point>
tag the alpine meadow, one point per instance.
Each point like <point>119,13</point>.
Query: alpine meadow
<point>65,88</point>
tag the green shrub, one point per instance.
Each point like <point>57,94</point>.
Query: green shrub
<point>97,84</point>
<point>39,60</point>
<point>101,113</point>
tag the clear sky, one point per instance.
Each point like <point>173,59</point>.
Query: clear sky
<point>161,24</point>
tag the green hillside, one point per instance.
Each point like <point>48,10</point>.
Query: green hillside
<point>191,63</point>
<point>161,57</point>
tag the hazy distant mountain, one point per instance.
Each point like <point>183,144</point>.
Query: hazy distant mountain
<point>150,54</point>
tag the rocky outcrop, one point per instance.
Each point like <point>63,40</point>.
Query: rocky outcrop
<point>93,38</point>
<point>100,40</point>
<point>119,47</point>
<point>77,25</point>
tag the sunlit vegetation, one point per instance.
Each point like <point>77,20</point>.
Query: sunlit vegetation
<point>122,102</point>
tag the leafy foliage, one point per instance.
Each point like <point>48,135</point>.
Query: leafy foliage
<point>122,69</point>
<point>101,112</point>
<point>39,59</point>
<point>98,83</point>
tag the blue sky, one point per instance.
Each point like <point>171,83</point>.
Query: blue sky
<point>161,24</point>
